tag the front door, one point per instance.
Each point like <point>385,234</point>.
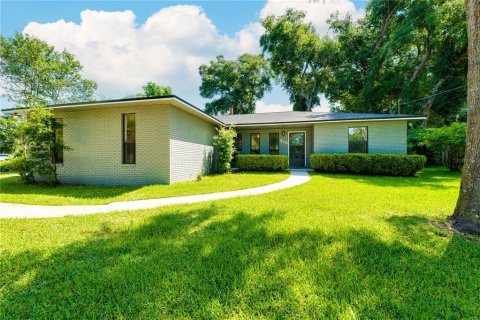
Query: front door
<point>296,149</point>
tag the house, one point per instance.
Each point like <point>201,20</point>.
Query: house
<point>153,140</point>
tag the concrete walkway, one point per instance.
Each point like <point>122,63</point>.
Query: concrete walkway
<point>14,210</point>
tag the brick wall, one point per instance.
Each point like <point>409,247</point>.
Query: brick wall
<point>191,146</point>
<point>383,136</point>
<point>95,137</point>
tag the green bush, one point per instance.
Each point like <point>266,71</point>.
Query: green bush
<point>262,162</point>
<point>4,167</point>
<point>224,144</point>
<point>370,164</point>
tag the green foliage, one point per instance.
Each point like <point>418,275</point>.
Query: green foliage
<point>298,57</point>
<point>224,143</point>
<point>370,164</point>
<point>152,89</point>
<point>402,51</point>
<point>33,73</point>
<point>238,84</point>
<point>7,134</point>
<point>5,166</point>
<point>262,162</point>
<point>450,140</point>
<point>37,146</point>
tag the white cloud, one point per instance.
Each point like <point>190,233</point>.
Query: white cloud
<point>168,48</point>
<point>317,12</point>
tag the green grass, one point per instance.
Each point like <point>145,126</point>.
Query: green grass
<point>12,190</point>
<point>338,247</point>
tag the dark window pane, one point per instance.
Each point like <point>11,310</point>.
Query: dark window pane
<point>255,143</point>
<point>274,143</point>
<point>129,138</point>
<point>238,144</point>
<point>358,140</point>
<point>58,155</point>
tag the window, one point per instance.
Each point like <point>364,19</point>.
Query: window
<point>358,140</point>
<point>273,142</point>
<point>58,154</point>
<point>128,133</point>
<point>255,143</point>
<point>238,144</point>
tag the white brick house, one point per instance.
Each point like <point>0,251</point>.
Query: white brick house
<point>164,140</point>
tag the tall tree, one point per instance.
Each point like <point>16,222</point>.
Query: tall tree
<point>238,84</point>
<point>466,216</point>
<point>299,58</point>
<point>34,73</point>
<point>404,56</point>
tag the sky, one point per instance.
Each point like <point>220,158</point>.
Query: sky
<point>124,44</point>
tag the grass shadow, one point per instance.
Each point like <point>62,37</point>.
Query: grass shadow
<point>200,263</point>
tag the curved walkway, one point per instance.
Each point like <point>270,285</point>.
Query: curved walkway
<point>14,210</point>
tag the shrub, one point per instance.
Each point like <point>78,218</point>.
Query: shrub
<point>4,166</point>
<point>262,162</point>
<point>224,144</point>
<point>371,164</point>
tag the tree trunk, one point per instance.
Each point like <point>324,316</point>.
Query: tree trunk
<point>428,105</point>
<point>466,216</point>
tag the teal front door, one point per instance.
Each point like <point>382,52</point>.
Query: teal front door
<point>296,149</point>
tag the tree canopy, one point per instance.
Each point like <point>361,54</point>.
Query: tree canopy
<point>404,56</point>
<point>299,59</point>
<point>234,83</point>
<point>34,73</point>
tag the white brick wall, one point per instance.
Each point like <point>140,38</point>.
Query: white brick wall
<point>383,136</point>
<point>95,137</point>
<point>191,146</point>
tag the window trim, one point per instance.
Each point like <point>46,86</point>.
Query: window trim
<point>278,143</point>
<point>348,138</point>
<point>259,142</point>
<point>124,155</point>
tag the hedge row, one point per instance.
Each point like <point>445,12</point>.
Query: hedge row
<point>371,164</point>
<point>262,162</point>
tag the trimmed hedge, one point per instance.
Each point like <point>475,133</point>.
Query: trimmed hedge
<point>370,164</point>
<point>262,162</point>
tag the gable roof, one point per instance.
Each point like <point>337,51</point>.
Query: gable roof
<point>260,119</point>
<point>293,117</point>
<point>170,99</point>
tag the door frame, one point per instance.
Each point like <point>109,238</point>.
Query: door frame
<point>304,147</point>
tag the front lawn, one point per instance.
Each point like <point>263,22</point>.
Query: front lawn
<point>12,190</point>
<point>338,247</point>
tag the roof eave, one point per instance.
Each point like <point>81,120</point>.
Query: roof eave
<point>326,121</point>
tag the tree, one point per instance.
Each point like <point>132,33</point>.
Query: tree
<point>224,143</point>
<point>7,134</point>
<point>404,56</point>
<point>38,145</point>
<point>152,89</point>
<point>238,84</point>
<point>466,216</point>
<point>298,57</point>
<point>33,73</point>
<point>449,140</point>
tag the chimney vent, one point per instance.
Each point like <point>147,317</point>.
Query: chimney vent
<point>230,110</point>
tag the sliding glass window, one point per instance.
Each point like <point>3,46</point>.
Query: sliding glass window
<point>255,143</point>
<point>128,133</point>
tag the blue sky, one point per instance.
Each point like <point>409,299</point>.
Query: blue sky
<point>124,44</point>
